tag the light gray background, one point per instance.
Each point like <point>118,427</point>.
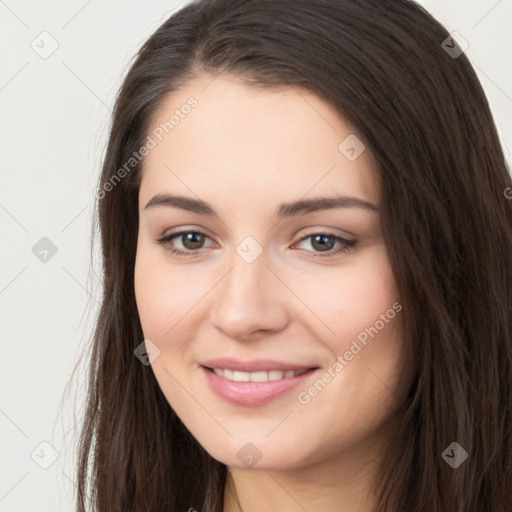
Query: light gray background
<point>54,123</point>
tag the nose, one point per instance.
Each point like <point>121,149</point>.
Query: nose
<point>250,300</point>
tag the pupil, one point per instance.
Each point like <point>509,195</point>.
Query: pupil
<point>322,246</point>
<point>193,238</point>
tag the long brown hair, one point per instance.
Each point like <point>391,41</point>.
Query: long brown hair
<point>420,109</point>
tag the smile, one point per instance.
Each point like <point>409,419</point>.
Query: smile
<point>255,388</point>
<point>261,376</point>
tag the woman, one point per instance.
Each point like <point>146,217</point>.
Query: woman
<point>306,241</point>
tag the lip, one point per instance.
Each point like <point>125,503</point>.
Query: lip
<point>254,393</point>
<point>259,365</point>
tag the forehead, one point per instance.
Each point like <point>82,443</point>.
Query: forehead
<point>252,144</point>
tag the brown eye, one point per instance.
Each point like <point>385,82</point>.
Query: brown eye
<point>324,243</point>
<point>192,240</point>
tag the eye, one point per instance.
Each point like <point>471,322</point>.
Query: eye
<point>192,241</point>
<point>324,242</point>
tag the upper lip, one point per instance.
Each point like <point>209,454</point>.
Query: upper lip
<point>257,365</point>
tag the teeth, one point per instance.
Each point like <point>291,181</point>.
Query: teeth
<point>275,374</point>
<point>241,376</point>
<point>257,376</point>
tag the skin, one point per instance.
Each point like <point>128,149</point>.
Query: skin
<point>245,150</point>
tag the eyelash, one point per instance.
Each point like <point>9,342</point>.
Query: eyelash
<point>348,244</point>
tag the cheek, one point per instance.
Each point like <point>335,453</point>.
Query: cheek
<point>170,301</point>
<point>164,296</point>
<point>353,299</point>
<point>161,295</point>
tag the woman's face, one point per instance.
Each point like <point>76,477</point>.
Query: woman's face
<point>272,278</point>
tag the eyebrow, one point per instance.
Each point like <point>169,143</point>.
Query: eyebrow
<point>300,207</point>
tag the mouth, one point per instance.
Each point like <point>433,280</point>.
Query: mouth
<point>258,376</point>
<point>258,387</point>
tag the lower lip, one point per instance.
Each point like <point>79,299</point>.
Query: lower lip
<point>253,393</point>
